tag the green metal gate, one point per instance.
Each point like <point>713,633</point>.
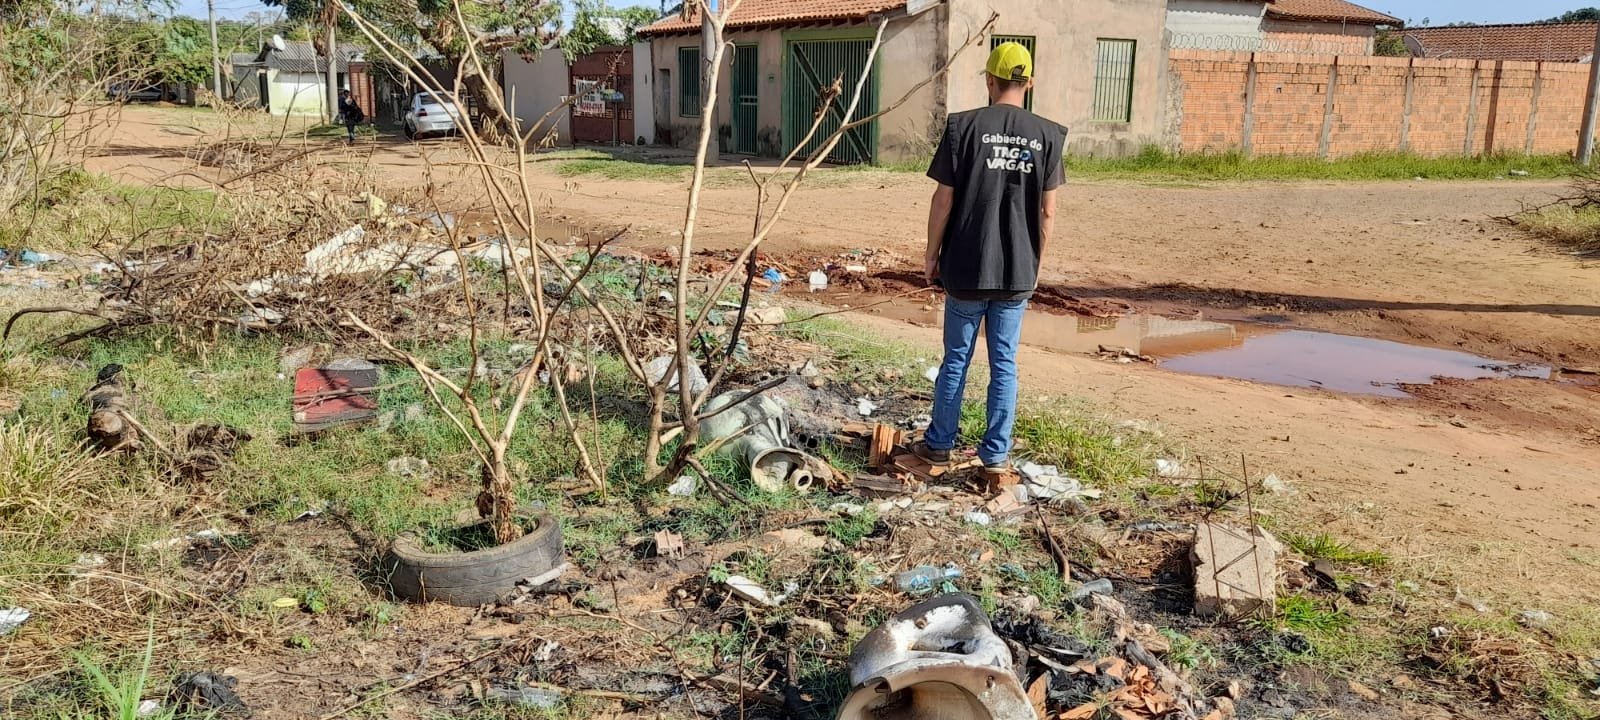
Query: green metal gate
<point>746,84</point>
<point>812,66</point>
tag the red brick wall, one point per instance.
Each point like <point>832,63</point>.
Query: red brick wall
<point>1291,93</point>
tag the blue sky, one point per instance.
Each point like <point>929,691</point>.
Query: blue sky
<point>1439,12</point>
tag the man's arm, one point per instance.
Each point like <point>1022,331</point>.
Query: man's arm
<point>1047,220</point>
<point>944,199</point>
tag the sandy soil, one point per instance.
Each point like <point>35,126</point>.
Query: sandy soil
<point>1505,507</point>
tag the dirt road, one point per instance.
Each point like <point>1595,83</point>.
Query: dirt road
<point>1489,485</point>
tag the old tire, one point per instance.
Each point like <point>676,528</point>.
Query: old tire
<point>475,578</point>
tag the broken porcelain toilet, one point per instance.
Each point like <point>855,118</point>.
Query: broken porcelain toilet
<point>938,660</point>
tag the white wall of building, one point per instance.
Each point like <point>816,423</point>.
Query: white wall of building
<point>643,94</point>
<point>295,93</point>
<point>1216,24</point>
<point>533,87</point>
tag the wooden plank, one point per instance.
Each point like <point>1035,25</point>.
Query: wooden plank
<point>883,486</point>
<point>884,440</point>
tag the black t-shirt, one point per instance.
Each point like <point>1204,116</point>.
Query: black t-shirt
<point>1000,160</point>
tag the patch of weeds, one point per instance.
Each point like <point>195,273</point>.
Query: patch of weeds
<point>1153,163</point>
<point>1188,652</point>
<point>1575,228</point>
<point>119,690</point>
<point>1047,586</point>
<point>850,529</point>
<point>1215,495</point>
<point>1305,614</point>
<point>1087,448</point>
<point>1005,539</point>
<point>591,539</point>
<point>612,168</point>
<point>1323,546</point>
<point>300,641</point>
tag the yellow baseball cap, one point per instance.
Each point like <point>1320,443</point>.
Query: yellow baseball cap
<point>1010,61</point>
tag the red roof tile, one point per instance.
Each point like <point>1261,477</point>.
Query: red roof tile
<point>1331,10</point>
<point>1550,42</point>
<point>780,12</point>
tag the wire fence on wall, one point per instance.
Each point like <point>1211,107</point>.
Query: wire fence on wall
<point>1270,43</point>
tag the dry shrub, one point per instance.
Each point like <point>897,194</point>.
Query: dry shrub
<point>46,483</point>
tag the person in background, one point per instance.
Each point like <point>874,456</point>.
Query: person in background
<point>350,113</point>
<point>991,220</point>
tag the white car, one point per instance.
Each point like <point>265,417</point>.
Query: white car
<point>433,114</point>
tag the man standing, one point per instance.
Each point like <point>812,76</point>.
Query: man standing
<point>992,217</point>
<point>351,113</point>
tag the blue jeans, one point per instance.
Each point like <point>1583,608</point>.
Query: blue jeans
<point>1002,323</point>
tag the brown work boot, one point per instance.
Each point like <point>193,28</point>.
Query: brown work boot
<point>935,457</point>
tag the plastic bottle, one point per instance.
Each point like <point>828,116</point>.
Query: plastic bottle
<point>819,281</point>
<point>925,578</point>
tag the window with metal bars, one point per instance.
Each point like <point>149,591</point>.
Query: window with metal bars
<point>689,82</point>
<point>1113,80</point>
<point>1026,41</point>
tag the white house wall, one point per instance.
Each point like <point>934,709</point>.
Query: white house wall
<point>533,87</point>
<point>643,93</point>
<point>1216,24</point>
<point>295,93</point>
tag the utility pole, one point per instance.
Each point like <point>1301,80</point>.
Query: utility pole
<point>216,55</point>
<point>333,77</point>
<point>1591,105</point>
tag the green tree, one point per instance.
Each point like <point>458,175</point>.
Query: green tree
<point>185,51</point>
<point>1588,14</point>
<point>595,24</point>
<point>1389,43</point>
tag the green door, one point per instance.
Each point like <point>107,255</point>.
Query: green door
<point>746,83</point>
<point>813,66</point>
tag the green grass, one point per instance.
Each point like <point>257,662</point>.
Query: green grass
<point>1323,546</point>
<point>119,689</point>
<point>1155,164</point>
<point>850,529</point>
<point>1571,228</point>
<point>83,211</point>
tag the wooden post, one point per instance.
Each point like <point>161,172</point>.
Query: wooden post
<point>1327,110</point>
<point>1472,111</point>
<point>1533,107</point>
<point>1591,105</point>
<point>1246,140</point>
<point>1405,112</point>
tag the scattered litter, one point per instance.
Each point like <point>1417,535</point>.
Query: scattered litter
<point>1273,484</point>
<point>773,276</point>
<point>1519,173</point>
<point>529,697</point>
<point>866,407</point>
<point>206,535</point>
<point>684,486</point>
<point>311,514</point>
<point>768,316</point>
<point>12,618</point>
<point>749,590</point>
<point>1168,468</point>
<point>844,508</point>
<point>1096,587</point>
<point>443,222</point>
<point>339,393</point>
<point>855,268</point>
<point>31,257</point>
<point>809,370</point>
<point>203,693</point>
<point>286,603</point>
<point>755,429</point>
<point>1007,504</point>
<point>657,368</point>
<point>977,517</point>
<point>932,374</point>
<point>408,467</point>
<point>1535,619</point>
<point>1438,632</point>
<point>1156,526</point>
<point>147,708</point>
<point>1045,482</point>
<point>925,579</point>
<point>819,281</point>
<point>544,578</point>
<point>1467,601</point>
<point>668,543</point>
<point>87,561</point>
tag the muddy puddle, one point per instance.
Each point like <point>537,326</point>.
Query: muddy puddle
<point>1243,351</point>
